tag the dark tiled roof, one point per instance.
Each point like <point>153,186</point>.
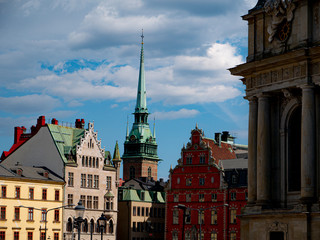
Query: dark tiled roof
<point>224,151</point>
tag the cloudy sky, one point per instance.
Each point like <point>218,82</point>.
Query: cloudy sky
<point>69,59</point>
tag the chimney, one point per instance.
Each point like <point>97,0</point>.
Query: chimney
<point>79,123</point>
<point>82,123</point>
<point>217,138</point>
<point>41,121</point>
<point>33,129</point>
<point>225,135</point>
<point>54,121</point>
<point>17,134</point>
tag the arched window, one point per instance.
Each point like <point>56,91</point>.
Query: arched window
<point>85,226</point>
<point>82,161</point>
<point>91,225</point>
<point>132,172</point>
<point>93,162</point>
<point>110,226</point>
<point>90,162</point>
<point>149,172</point>
<point>97,162</point>
<point>86,162</point>
<point>294,150</point>
<point>69,225</point>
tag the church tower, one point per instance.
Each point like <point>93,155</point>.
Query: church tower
<point>282,78</point>
<point>140,158</point>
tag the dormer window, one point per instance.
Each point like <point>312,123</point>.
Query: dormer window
<point>19,172</point>
<point>46,174</point>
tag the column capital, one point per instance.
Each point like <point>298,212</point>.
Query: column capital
<point>252,98</point>
<point>306,86</point>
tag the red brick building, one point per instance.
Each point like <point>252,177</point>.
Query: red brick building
<point>210,185</point>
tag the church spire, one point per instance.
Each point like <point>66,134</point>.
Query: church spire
<point>141,106</point>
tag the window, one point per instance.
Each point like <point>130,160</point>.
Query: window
<point>83,180</point>
<point>174,235</point>
<point>201,197</point>
<point>202,235</point>
<point>213,197</point>
<point>134,210</point>
<point>178,180</point>
<point>90,162</point>
<point>189,160</point>
<point>142,196</point>
<point>82,161</point>
<point>56,195</point>
<point>187,236</point>
<point>89,202</point>
<point>95,202</point>
<point>3,213</point>
<point>142,211</point>
<point>70,199</point>
<point>108,183</point>
<point>134,227</point>
<point>138,212</point>
<point>188,197</point>
<point>86,162</point>
<point>200,217</point>
<point>2,235</point>
<point>16,236</point>
<point>3,191</point>
<point>44,194</point>
<point>233,236</point>
<point>83,200</point>
<point>214,236</point>
<point>175,215</point>
<point>234,179</point>
<point>17,192</point>
<point>175,197</point>
<point>233,196</point>
<point>147,212</point>
<point>233,216</point>
<point>188,181</point>
<point>89,185</point>
<point>96,181</point>
<point>212,179</point>
<point>56,236</point>
<point>56,215</point>
<point>132,172</point>
<point>214,217</point>
<point>17,213</point>
<point>188,216</point>
<point>138,226</point>
<point>30,214</point>
<point>149,172</point>
<point>70,179</point>
<point>31,193</point>
<point>30,235</point>
<point>202,159</point>
<point>42,236</point>
<point>201,181</point>
<point>97,162</point>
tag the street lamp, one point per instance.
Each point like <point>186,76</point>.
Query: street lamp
<point>45,215</point>
<point>79,217</point>
<point>184,208</point>
<point>102,222</point>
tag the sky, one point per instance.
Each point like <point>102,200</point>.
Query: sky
<point>69,59</point>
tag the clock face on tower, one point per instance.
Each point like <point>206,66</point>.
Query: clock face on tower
<point>284,31</point>
<point>132,138</point>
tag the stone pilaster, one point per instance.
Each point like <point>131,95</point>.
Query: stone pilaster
<point>308,131</point>
<point>252,150</point>
<point>263,150</point>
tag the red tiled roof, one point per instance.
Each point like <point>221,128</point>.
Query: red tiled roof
<point>222,152</point>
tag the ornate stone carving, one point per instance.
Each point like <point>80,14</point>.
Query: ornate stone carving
<point>278,227</point>
<point>282,14</point>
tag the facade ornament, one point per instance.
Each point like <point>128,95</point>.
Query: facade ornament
<point>282,16</point>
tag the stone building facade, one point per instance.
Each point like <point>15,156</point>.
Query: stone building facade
<point>282,78</point>
<point>90,173</point>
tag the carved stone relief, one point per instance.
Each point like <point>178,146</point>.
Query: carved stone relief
<point>282,15</point>
<point>277,227</point>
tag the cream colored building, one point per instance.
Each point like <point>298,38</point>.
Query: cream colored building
<point>38,190</point>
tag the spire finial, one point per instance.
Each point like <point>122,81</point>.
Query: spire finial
<point>142,37</point>
<point>154,127</point>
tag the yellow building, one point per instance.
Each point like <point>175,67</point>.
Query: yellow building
<point>27,195</point>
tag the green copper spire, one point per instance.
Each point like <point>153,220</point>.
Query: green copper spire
<point>141,106</point>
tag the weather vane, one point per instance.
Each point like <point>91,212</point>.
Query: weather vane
<point>142,36</point>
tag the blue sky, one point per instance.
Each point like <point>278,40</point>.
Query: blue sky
<point>69,59</point>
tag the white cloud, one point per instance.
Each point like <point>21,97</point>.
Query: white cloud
<point>182,113</point>
<point>28,104</point>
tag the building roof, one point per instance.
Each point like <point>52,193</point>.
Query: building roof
<point>30,173</point>
<point>240,163</point>
<point>224,151</point>
<point>66,139</point>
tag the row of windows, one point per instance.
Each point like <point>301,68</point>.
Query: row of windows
<point>89,181</point>
<point>90,162</point>
<point>202,159</point>
<point>90,226</point>
<point>16,214</point>
<point>213,218</point>
<point>189,181</point>
<point>145,211</point>
<point>148,227</point>
<point>213,236</point>
<point>16,235</point>
<point>233,197</point>
<point>89,201</point>
<point>17,193</point>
